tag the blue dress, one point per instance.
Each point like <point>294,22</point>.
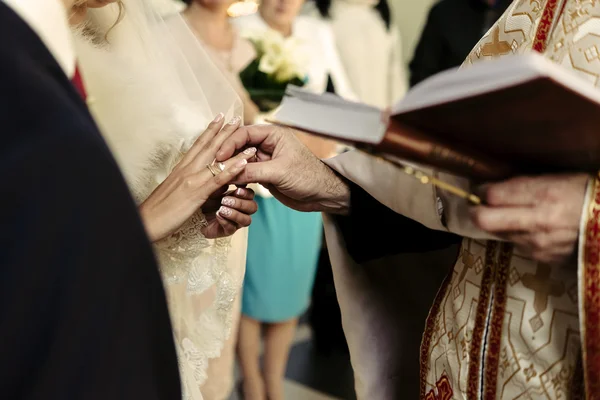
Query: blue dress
<point>283,252</point>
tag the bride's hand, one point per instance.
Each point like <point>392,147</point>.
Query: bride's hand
<point>191,183</point>
<point>228,212</point>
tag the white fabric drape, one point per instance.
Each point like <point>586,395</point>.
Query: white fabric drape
<point>153,90</point>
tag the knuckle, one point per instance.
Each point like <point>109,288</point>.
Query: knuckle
<point>479,218</point>
<point>253,207</point>
<point>539,242</point>
<point>542,256</point>
<point>493,194</point>
<point>222,178</point>
<point>548,193</point>
<point>252,175</point>
<point>550,218</point>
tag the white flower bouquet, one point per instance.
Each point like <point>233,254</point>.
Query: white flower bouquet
<point>279,62</point>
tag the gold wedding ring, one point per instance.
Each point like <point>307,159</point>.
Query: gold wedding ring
<point>215,168</point>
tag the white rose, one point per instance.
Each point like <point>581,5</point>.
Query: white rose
<point>286,72</point>
<point>269,63</point>
<point>273,42</point>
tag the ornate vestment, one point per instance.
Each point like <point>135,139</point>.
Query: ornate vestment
<point>502,326</point>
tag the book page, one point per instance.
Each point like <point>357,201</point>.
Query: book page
<point>331,116</point>
<point>470,81</point>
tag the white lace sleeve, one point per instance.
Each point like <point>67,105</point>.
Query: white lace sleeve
<point>201,289</point>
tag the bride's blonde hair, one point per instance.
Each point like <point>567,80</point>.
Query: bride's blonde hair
<point>92,31</point>
<point>119,18</point>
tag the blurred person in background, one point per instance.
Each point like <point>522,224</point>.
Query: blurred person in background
<point>369,47</point>
<point>210,23</point>
<point>453,27</point>
<point>284,245</point>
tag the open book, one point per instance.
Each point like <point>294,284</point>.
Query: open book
<point>517,115</point>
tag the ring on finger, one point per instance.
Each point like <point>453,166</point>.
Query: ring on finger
<point>218,165</point>
<point>213,170</point>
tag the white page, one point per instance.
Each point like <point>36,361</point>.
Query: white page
<point>484,77</point>
<point>331,115</point>
<point>341,119</point>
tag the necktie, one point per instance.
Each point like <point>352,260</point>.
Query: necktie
<point>78,83</point>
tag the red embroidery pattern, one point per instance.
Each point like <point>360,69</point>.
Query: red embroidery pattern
<point>543,31</point>
<point>590,287</point>
<point>444,390</point>
<point>480,319</point>
<point>428,334</point>
<point>494,337</point>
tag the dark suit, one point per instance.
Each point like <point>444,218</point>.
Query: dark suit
<point>391,234</point>
<point>82,308</point>
<point>452,29</point>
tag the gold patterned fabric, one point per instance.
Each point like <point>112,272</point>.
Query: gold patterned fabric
<point>504,326</point>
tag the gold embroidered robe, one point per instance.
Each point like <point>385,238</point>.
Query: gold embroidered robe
<point>502,326</point>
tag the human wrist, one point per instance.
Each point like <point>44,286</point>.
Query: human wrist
<point>149,223</point>
<point>336,195</point>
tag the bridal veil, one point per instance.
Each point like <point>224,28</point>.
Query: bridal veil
<point>153,90</point>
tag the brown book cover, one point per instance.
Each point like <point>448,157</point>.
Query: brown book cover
<point>520,115</point>
<point>411,144</point>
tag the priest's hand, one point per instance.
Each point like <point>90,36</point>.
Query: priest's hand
<point>192,183</point>
<point>288,169</point>
<point>541,215</point>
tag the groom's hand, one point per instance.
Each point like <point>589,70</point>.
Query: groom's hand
<point>288,169</point>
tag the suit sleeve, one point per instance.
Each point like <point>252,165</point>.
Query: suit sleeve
<point>66,256</point>
<point>391,234</point>
<point>429,51</point>
<point>81,300</point>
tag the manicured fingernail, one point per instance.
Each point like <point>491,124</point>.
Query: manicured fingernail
<point>240,192</point>
<point>228,201</point>
<point>241,163</point>
<point>225,212</point>
<point>235,121</point>
<point>249,151</point>
<point>219,117</point>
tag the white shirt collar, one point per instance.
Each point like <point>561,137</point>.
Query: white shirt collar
<point>48,18</point>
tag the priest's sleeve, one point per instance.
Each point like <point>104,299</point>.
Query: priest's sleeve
<point>372,230</point>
